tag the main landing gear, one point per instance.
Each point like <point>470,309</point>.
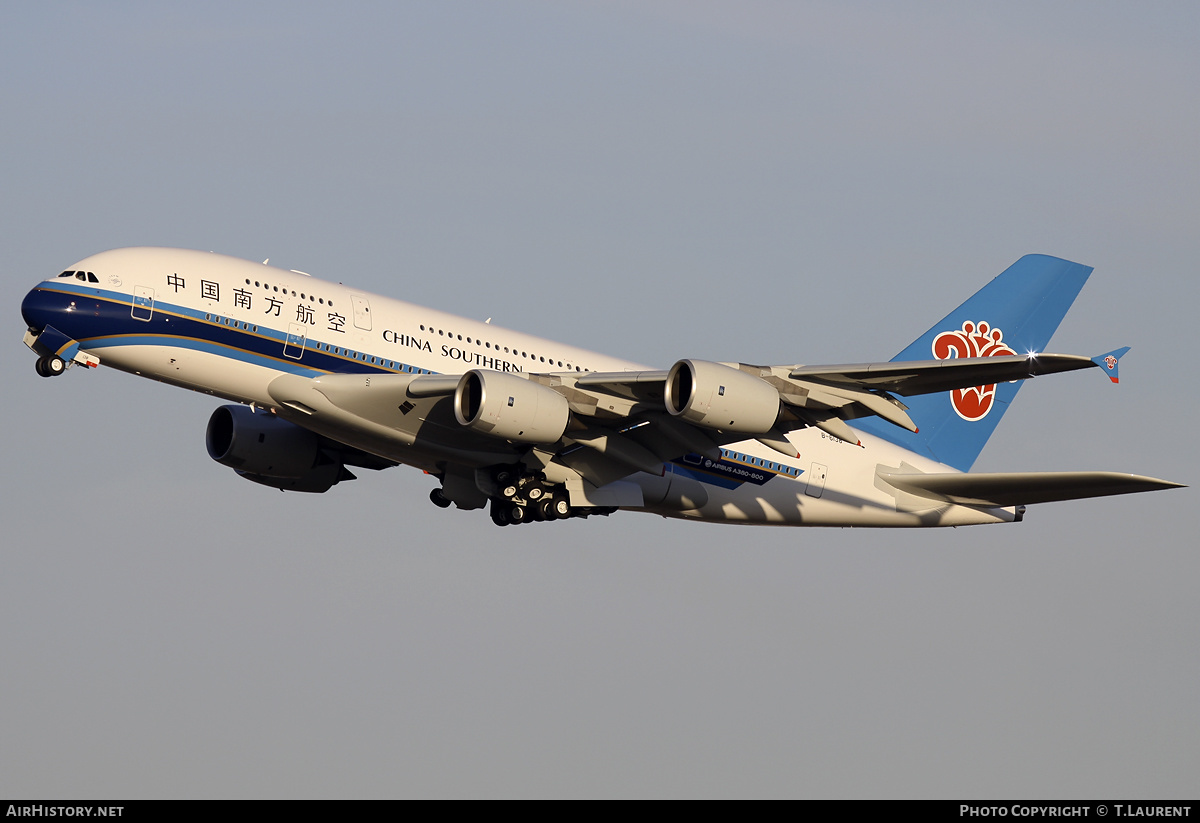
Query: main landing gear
<point>523,498</point>
<point>516,497</point>
<point>513,512</point>
<point>50,366</point>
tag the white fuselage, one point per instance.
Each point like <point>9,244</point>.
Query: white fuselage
<point>233,326</point>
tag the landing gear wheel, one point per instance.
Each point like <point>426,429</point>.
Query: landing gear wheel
<point>499,514</point>
<point>546,510</point>
<point>438,498</point>
<point>516,514</point>
<point>50,366</point>
<point>55,366</point>
<point>535,492</point>
<point>509,491</point>
<point>561,507</point>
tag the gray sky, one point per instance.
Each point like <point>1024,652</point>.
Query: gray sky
<point>769,182</point>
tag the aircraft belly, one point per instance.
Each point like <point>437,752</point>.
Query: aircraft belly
<point>842,497</point>
<point>797,509</point>
<point>190,369</point>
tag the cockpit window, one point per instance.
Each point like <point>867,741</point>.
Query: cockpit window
<point>82,275</point>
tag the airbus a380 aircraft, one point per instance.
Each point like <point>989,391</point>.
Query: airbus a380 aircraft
<point>329,377</point>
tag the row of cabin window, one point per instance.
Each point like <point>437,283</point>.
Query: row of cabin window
<point>488,345</point>
<point>440,332</point>
<point>229,321</point>
<point>391,364</point>
<point>370,358</point>
<point>757,461</point>
<point>310,297</point>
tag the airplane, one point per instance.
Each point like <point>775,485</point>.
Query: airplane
<point>324,377</point>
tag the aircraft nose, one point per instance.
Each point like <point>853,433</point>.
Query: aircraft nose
<point>33,309</point>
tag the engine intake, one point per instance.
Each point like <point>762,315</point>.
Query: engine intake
<point>271,451</point>
<point>503,405</point>
<point>719,397</point>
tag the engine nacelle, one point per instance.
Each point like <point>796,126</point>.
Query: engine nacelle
<point>318,480</point>
<point>503,405</point>
<point>719,397</point>
<point>270,451</point>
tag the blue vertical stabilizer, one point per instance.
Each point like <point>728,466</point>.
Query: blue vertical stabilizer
<point>1016,313</point>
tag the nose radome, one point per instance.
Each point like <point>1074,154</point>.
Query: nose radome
<point>34,318</point>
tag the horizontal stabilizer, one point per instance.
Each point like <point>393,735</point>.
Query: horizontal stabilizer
<point>1020,488</point>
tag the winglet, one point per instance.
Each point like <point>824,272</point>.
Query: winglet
<point>1108,362</point>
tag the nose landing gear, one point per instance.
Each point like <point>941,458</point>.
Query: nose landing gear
<point>56,351</point>
<point>50,366</point>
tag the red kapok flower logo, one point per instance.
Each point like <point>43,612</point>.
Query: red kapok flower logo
<point>973,340</point>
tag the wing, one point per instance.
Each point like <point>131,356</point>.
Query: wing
<point>930,376</point>
<point>587,430</point>
<point>820,396</point>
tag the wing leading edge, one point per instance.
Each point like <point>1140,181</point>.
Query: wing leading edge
<point>635,421</point>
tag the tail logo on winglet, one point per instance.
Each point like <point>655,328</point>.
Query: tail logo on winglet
<point>1111,362</point>
<point>973,340</point>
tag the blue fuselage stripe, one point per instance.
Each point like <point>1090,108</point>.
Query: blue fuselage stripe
<point>99,318</point>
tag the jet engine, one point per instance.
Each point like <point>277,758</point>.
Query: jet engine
<point>271,451</point>
<point>719,397</point>
<point>510,407</point>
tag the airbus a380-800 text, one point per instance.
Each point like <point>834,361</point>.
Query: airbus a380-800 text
<point>325,377</point>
